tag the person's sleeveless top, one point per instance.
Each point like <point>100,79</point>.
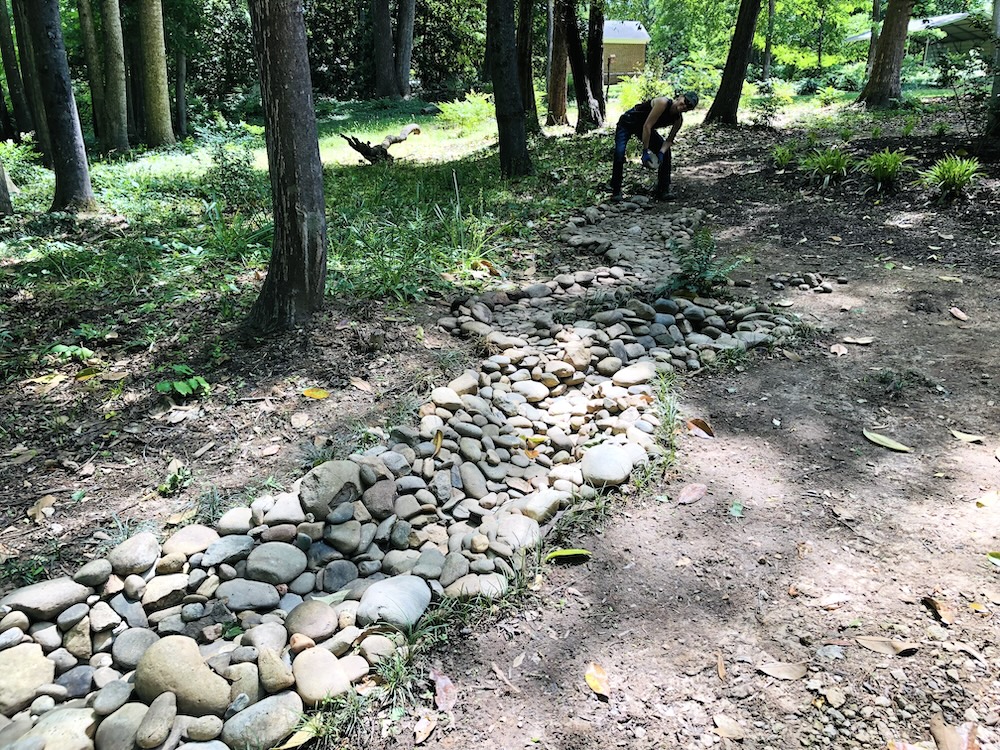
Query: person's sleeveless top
<point>638,114</point>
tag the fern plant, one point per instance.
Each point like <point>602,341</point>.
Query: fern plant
<point>951,176</point>
<point>783,155</point>
<point>827,166</point>
<point>885,168</point>
<point>827,95</point>
<point>702,270</point>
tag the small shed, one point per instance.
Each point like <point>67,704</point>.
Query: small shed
<point>624,49</point>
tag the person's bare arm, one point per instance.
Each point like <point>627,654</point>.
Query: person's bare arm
<point>659,105</point>
<point>669,142</point>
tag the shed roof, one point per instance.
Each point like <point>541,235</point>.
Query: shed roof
<point>625,32</point>
<point>962,31</point>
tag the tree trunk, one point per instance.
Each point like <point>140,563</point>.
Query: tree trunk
<point>180,94</point>
<point>69,159</point>
<point>405,18</point>
<point>6,207</point>
<point>385,64</point>
<point>595,53</point>
<point>526,84</point>
<point>156,95</point>
<point>501,51</point>
<point>883,85</point>
<point>768,41</point>
<point>727,100</point>
<point>588,111</point>
<point>819,39</point>
<point>134,84</point>
<point>92,56</point>
<point>548,41</point>
<point>33,88</point>
<point>558,62</point>
<point>7,130</point>
<point>15,84</point>
<point>873,41</point>
<point>994,108</point>
<point>296,276</point>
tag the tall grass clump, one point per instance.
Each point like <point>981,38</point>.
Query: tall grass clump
<point>826,166</point>
<point>951,176</point>
<point>465,115</point>
<point>885,168</point>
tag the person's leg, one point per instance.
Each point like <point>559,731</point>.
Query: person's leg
<point>622,135</point>
<point>663,173</point>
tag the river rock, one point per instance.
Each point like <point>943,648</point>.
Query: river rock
<point>264,724</point>
<point>174,664</point>
<point>117,731</point>
<point>329,484</point>
<point>25,669</point>
<point>130,645</point>
<point>190,539</point>
<point>112,696</point>
<point>275,562</point>
<point>229,549</point>
<point>275,675</point>
<point>241,594</point>
<point>95,573</point>
<point>44,600</point>
<point>636,374</point>
<point>66,729</point>
<point>399,601</point>
<point>135,555</point>
<point>606,465</point>
<point>318,675</point>
<point>314,619</point>
<point>164,591</point>
<point>156,724</point>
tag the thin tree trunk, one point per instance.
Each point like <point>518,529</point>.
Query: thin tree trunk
<point>6,207</point>
<point>588,111</point>
<point>548,40</point>
<point>385,63</point>
<point>727,100</point>
<point>69,158</point>
<point>7,129</point>
<point>180,94</point>
<point>156,96</point>
<point>883,85</point>
<point>405,18</point>
<point>296,276</point>
<point>819,40</point>
<point>994,108</point>
<point>92,56</point>
<point>134,84</point>
<point>595,53</point>
<point>114,136</point>
<point>33,88</point>
<point>768,41</point>
<point>873,40</point>
<point>526,83</point>
<point>15,85</point>
<point>559,61</point>
<point>501,51</point>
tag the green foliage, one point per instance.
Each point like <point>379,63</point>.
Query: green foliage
<point>232,180</point>
<point>826,166</point>
<point>464,115</point>
<point>702,271</point>
<point>21,161</point>
<point>909,125</point>
<point>783,155</point>
<point>642,87</point>
<point>71,351</point>
<point>186,384</point>
<point>176,481</point>
<point>827,95</point>
<point>222,72</point>
<point>951,176</point>
<point>697,72</point>
<point>940,129</point>
<point>449,38</point>
<point>767,102</point>
<point>886,168</point>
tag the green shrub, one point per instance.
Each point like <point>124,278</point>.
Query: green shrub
<point>849,76</point>
<point>951,176</point>
<point>909,125</point>
<point>465,115</point>
<point>22,162</point>
<point>827,166</point>
<point>232,180</point>
<point>807,86</point>
<point>642,87</point>
<point>783,155</point>
<point>766,104</point>
<point>702,271</point>
<point>827,95</point>
<point>941,129</point>
<point>885,168</point>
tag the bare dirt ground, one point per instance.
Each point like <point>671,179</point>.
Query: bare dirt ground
<point>809,535</point>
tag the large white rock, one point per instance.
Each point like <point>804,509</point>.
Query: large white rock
<point>24,669</point>
<point>606,465</point>
<point>318,676</point>
<point>174,664</point>
<point>66,729</point>
<point>399,601</point>
<point>135,555</point>
<point>44,600</point>
<point>640,372</point>
<point>265,723</point>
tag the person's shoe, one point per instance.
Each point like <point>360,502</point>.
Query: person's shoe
<point>616,198</point>
<point>664,197</point>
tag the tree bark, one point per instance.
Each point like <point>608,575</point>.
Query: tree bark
<point>33,88</point>
<point>526,84</point>
<point>69,158</point>
<point>769,40</point>
<point>92,56</point>
<point>595,53</point>
<point>588,110</point>
<point>819,39</point>
<point>883,84</point>
<point>873,40</point>
<point>156,96</point>
<point>727,100</point>
<point>6,207</point>
<point>296,276</point>
<point>385,64</point>
<point>993,122</point>
<point>501,51</point>
<point>558,62</point>
<point>180,94</point>
<point>405,18</point>
<point>15,84</point>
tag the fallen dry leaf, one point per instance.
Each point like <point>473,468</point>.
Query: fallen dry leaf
<point>965,437</point>
<point>691,493</point>
<point>503,678</point>
<point>887,646</point>
<point>784,670</point>
<point>700,428</point>
<point>720,666</point>
<point>789,354</point>
<point>886,442</point>
<point>989,499</point>
<point>727,727</point>
<point>268,450</point>
<point>300,419</point>
<point>839,349</point>
<point>316,393</point>
<point>518,660</point>
<point>947,737</point>
<point>940,609</point>
<point>301,737</point>
<point>597,679</point>
<point>859,341</point>
<point>833,601</point>
<point>957,313</point>
<point>438,442</point>
<point>362,385</point>
<point>183,516</point>
<point>42,508</point>
<point>423,728</point>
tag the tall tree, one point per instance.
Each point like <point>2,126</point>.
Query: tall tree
<point>595,53</point>
<point>15,85</point>
<point>33,81</point>
<point>883,84</point>
<point>92,56</point>
<point>768,41</point>
<point>296,276</point>
<point>994,108</point>
<point>6,207</point>
<point>873,40</point>
<point>156,96</point>
<point>727,99</point>
<point>588,109</point>
<point>526,82</point>
<point>406,13</point>
<point>69,159</point>
<point>558,65</point>
<point>385,64</point>
<point>501,51</point>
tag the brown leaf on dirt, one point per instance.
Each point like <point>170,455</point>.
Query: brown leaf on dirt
<point>727,727</point>
<point>267,450</point>
<point>445,692</point>
<point>183,516</point>
<point>941,610</point>
<point>789,354</point>
<point>700,428</point>
<point>886,442</point>
<point>518,660</point>
<point>859,340</point>
<point>42,508</point>
<point>720,666</point>
<point>833,601</point>
<point>301,737</point>
<point>438,442</point>
<point>503,678</point>
<point>423,728</point>
<point>839,350</point>
<point>965,437</point>
<point>957,313</point>
<point>947,737</point>
<point>784,670</point>
<point>691,493</point>
<point>299,420</point>
<point>887,646</point>
<point>597,679</point>
<point>21,456</point>
<point>87,470</point>
<point>362,385</point>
